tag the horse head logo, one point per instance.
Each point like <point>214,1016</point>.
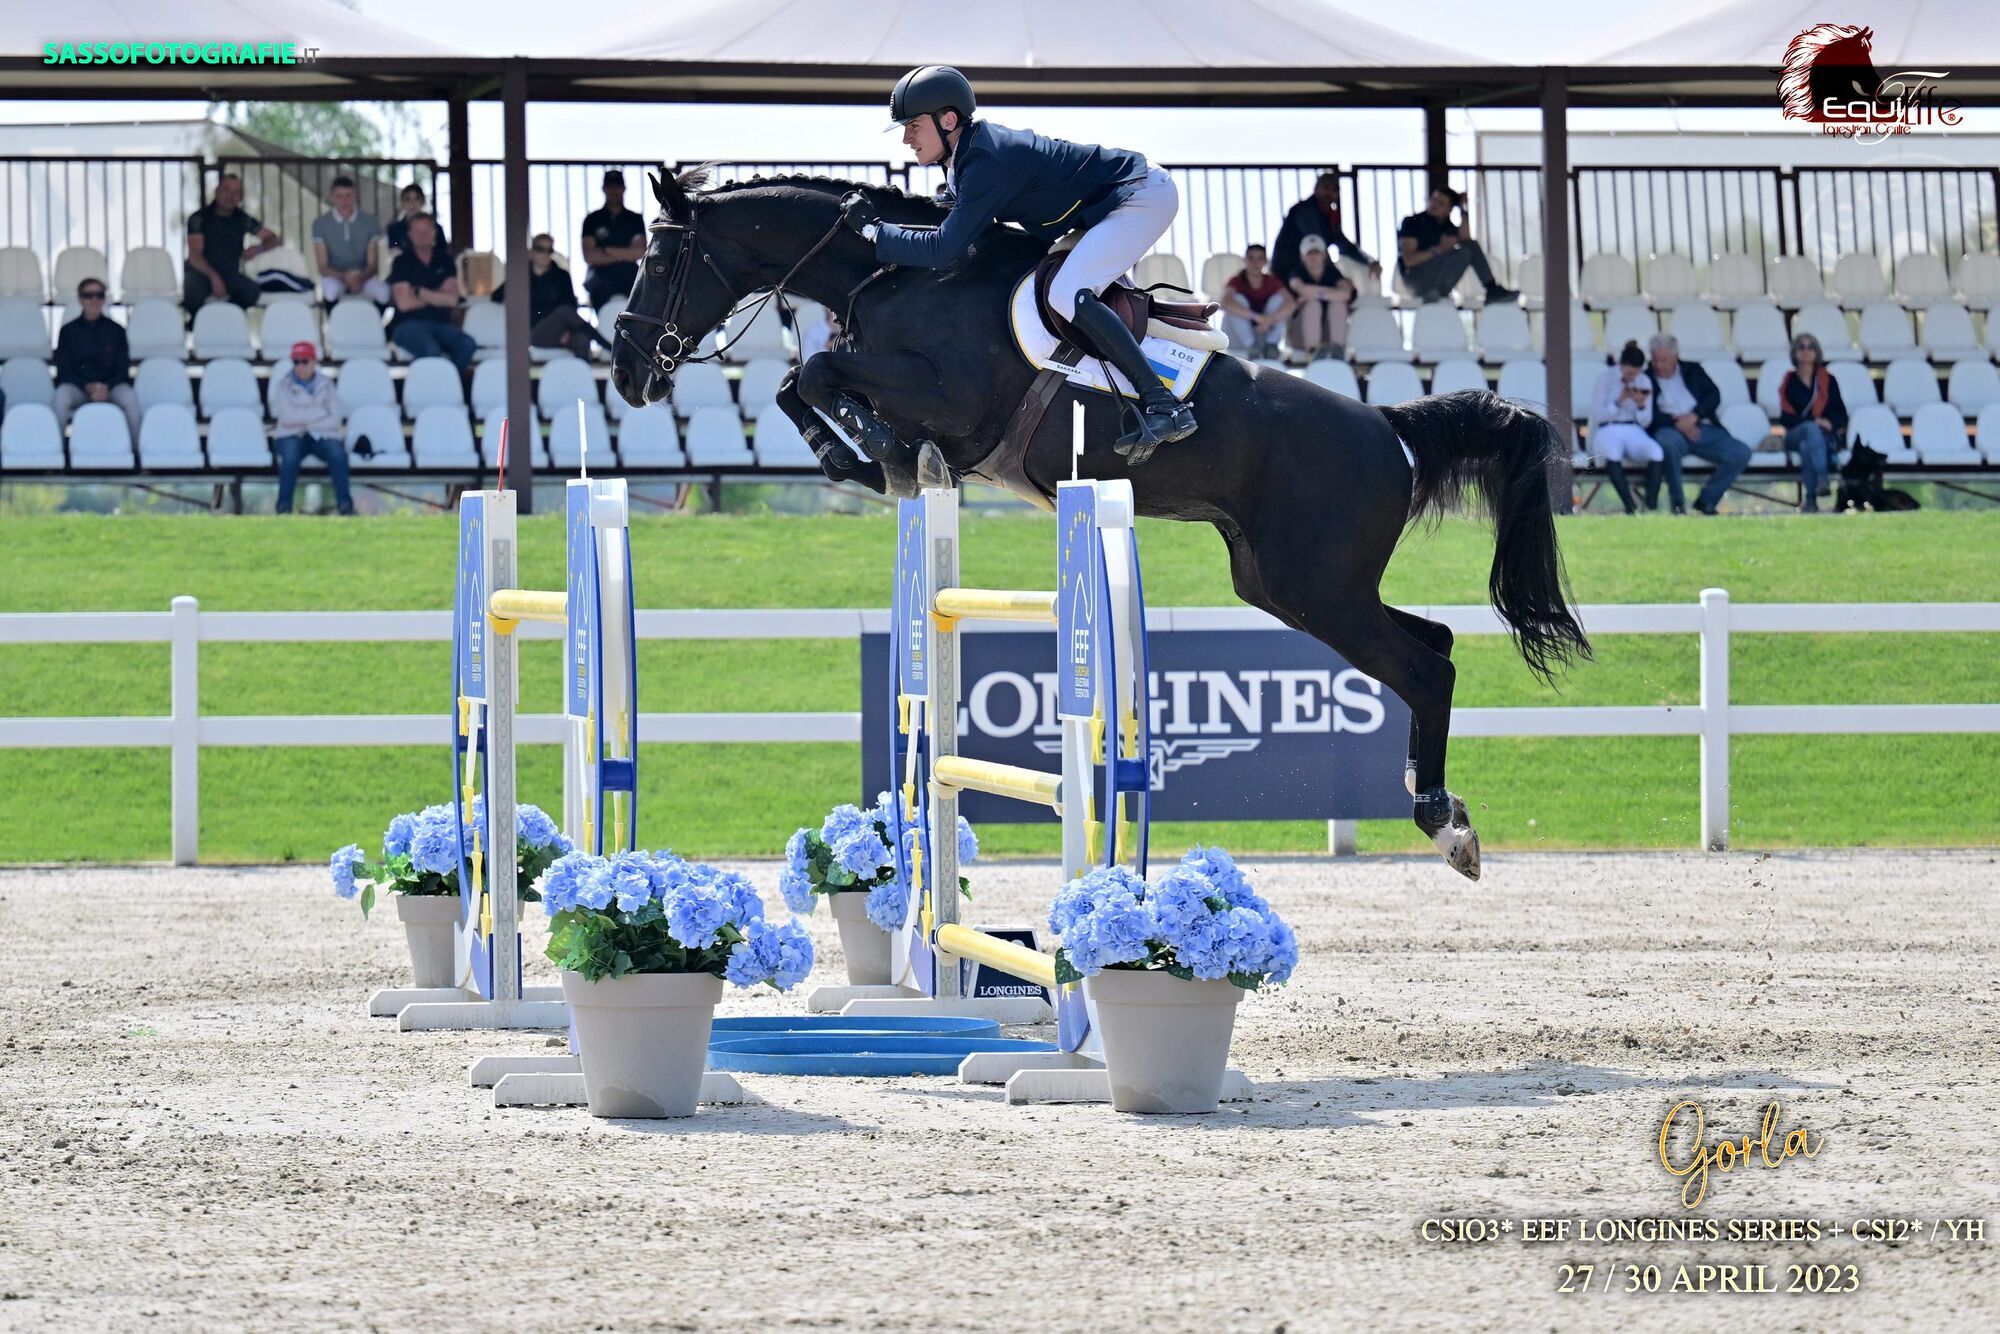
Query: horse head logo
<point>1828,60</point>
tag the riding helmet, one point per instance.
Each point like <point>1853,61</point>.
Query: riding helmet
<point>928,90</point>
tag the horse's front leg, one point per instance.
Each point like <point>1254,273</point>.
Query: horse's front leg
<point>837,458</point>
<point>856,388</point>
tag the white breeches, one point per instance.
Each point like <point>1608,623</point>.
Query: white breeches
<point>1106,252</point>
<point>1624,442</point>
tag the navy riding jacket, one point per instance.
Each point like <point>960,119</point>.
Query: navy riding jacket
<point>1048,186</point>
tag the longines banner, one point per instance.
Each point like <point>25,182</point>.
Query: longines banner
<point>1247,725</point>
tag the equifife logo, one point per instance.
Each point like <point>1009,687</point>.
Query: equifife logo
<point>1829,79</point>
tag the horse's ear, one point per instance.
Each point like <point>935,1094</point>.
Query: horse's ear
<point>659,188</point>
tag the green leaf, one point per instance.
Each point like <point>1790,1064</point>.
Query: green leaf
<point>1184,973</point>
<point>1066,973</point>
<point>367,901</point>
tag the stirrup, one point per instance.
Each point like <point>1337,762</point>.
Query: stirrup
<point>1154,427</point>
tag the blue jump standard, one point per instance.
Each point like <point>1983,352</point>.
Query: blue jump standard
<point>875,1046</point>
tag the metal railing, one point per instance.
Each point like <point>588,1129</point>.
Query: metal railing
<point>1715,718</point>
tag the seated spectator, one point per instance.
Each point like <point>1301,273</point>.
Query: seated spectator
<point>1814,417</point>
<point>1685,402</point>
<point>216,233</point>
<point>1436,252</point>
<point>553,317</point>
<point>346,242</point>
<point>1322,294</point>
<point>423,286</point>
<point>410,203</point>
<point>306,409</point>
<point>614,237</point>
<point>818,337</point>
<point>1254,306</point>
<point>1621,411</point>
<point>93,360</point>
<point>1318,214</point>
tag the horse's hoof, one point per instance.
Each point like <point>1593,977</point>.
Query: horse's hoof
<point>1442,816</point>
<point>1460,846</point>
<point>932,472</point>
<point>1410,777</point>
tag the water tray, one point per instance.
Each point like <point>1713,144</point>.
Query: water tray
<point>856,1054</point>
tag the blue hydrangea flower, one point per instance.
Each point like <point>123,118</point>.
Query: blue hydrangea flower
<point>434,846</point>
<point>1221,871</point>
<point>1077,897</point>
<point>796,889</point>
<point>562,880</point>
<point>594,889</point>
<point>735,889</point>
<point>845,821</point>
<point>781,954</point>
<point>798,851</point>
<point>343,864</point>
<point>633,880</point>
<point>888,905</point>
<point>396,839</point>
<point>533,827</point>
<point>694,914</point>
<point>968,842</point>
<point>863,853</point>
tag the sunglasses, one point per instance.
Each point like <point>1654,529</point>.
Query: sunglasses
<point>92,296</point>
<point>545,250</point>
<point>302,361</point>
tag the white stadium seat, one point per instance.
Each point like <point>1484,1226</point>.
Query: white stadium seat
<point>365,384</point>
<point>22,330</point>
<point>702,385</point>
<point>489,387</point>
<point>1948,333</point>
<point>486,325</point>
<point>443,439</point>
<point>1628,321</point>
<point>431,380</point>
<point>758,388</point>
<point>148,273</point>
<point>1606,279</point>
<point>1160,267</point>
<point>715,438</point>
<point>753,334</point>
<point>162,380</point>
<point>1670,279</point>
<point>236,439</point>
<point>648,438</point>
<point>565,382</point>
<point>1876,426</point>
<point>354,331</point>
<point>30,439</point>
<point>1858,279</point>
<point>778,443</point>
<point>1457,373</point>
<point>1826,322</point>
<point>1216,271</point>
<point>1530,282</point>
<point>1728,377</point>
<point>221,329</point>
<point>285,325</point>
<point>21,274</point>
<point>1583,339</point>
<point>1697,328</point>
<point>1796,281</point>
<point>1757,330</point>
<point>1373,335</point>
<point>1973,386</point>
<point>1332,373</point>
<point>229,383</point>
<point>529,435</point>
<point>605,317</point>
<point>1857,386</point>
<point>169,439</point>
<point>1989,433</point>
<point>1393,382</point>
<point>100,437</point>
<point>1747,422</point>
<point>1733,278</point>
<point>27,380</point>
<point>1921,279</point>
<point>1909,384</point>
<point>1502,332</point>
<point>1526,382</point>
<point>155,329</point>
<point>73,265</point>
<point>1437,331</point>
<point>1886,332</point>
<point>381,424</point>
<point>565,451</point>
<point>1979,280</point>
<point>1938,436</point>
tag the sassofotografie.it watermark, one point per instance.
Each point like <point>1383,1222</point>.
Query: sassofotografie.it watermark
<point>178,53</point>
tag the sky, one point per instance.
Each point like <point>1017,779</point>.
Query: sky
<point>1528,33</point>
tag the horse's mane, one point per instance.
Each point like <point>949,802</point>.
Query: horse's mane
<point>695,182</point>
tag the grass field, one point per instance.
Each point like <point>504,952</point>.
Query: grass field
<point>281,804</point>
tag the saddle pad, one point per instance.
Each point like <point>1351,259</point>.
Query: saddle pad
<point>1179,367</point>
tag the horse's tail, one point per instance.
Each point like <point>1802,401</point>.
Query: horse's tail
<point>1474,438</point>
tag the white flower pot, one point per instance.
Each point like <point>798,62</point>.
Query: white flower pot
<point>427,924</point>
<point>865,945</point>
<point>643,1040</point>
<point>1166,1039</point>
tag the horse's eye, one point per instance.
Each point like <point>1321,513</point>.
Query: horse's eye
<point>659,270</point>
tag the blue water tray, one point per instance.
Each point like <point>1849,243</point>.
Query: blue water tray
<point>856,1054</point>
<point>799,1025</point>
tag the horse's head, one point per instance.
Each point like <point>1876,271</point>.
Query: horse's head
<point>681,295</point>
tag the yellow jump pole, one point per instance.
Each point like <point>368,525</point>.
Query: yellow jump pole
<point>511,606</point>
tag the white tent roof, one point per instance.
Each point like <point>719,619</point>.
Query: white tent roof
<point>335,29</point>
<point>1027,35</point>
<point>1908,34</point>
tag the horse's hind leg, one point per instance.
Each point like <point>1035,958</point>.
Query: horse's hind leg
<point>848,387</point>
<point>836,459</point>
<point>1417,774</point>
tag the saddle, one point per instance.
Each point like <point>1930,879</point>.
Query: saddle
<point>1146,315</point>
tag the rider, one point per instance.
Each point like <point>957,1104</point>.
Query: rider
<point>1048,186</point>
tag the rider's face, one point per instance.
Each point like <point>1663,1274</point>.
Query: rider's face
<point>920,136</point>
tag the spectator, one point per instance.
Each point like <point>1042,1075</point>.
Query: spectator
<point>1318,326</point>
<point>1436,252</point>
<point>1318,214</point>
<point>410,204</point>
<point>347,242</point>
<point>552,314</point>
<point>93,361</point>
<point>1814,417</point>
<point>1685,402</point>
<point>307,412</point>
<point>1254,306</point>
<point>423,285</point>
<point>215,249</point>
<point>1621,409</point>
<point>817,338</point>
<point>614,237</point>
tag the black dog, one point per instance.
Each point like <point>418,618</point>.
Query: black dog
<point>1861,484</point>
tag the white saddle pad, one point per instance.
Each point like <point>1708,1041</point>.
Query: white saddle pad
<point>1179,367</point>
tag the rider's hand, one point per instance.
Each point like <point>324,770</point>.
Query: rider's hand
<point>857,212</point>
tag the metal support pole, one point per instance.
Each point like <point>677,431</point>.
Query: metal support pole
<point>185,630</point>
<point>1555,280</point>
<point>520,477</point>
<point>1341,837</point>
<point>1715,719</point>
<point>941,713</point>
<point>458,142</point>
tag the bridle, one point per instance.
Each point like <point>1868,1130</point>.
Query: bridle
<point>671,347</point>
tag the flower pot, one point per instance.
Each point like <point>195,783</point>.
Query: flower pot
<point>643,1040</point>
<point>865,944</point>
<point>1166,1039</point>
<point>428,920</point>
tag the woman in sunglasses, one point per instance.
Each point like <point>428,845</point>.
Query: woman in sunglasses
<point>1814,417</point>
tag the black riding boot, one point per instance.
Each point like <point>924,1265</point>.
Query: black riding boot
<point>1162,417</point>
<point>1653,472</point>
<point>1616,472</point>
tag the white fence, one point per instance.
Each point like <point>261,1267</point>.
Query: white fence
<point>185,730</point>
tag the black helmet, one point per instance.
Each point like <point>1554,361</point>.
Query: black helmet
<point>928,90</point>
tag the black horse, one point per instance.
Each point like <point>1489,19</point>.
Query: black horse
<point>1310,490</point>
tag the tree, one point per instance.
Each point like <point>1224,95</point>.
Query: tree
<point>329,129</point>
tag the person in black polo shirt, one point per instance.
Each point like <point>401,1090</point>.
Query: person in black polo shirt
<point>215,251</point>
<point>614,237</point>
<point>1436,252</point>
<point>553,320</point>
<point>423,284</point>
<point>397,235</point>
<point>93,361</point>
